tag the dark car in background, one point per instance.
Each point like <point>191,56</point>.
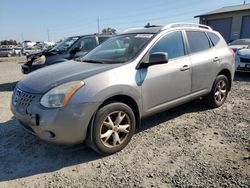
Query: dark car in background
<point>241,48</point>
<point>70,48</point>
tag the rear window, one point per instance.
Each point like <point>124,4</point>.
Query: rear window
<point>198,41</point>
<point>214,38</point>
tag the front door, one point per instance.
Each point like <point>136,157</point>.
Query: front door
<point>166,82</point>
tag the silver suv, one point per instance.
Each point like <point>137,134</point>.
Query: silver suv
<point>102,97</point>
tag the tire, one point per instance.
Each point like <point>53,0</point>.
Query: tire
<point>113,135</point>
<point>219,92</point>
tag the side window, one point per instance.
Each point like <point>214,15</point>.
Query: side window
<point>102,39</point>
<point>214,38</point>
<point>198,41</point>
<point>86,44</point>
<point>172,44</point>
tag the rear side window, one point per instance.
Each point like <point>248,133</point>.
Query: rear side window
<point>198,41</point>
<point>86,44</point>
<point>102,39</point>
<point>214,38</point>
<point>172,44</point>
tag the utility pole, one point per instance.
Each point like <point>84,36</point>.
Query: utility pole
<point>98,24</point>
<point>48,34</point>
<point>244,2</point>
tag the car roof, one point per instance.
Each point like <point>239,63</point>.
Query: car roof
<point>149,30</point>
<point>91,35</point>
<point>154,29</point>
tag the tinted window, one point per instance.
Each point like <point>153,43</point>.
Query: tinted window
<point>102,39</point>
<point>214,38</point>
<point>65,45</point>
<point>198,41</point>
<point>86,44</point>
<point>172,44</point>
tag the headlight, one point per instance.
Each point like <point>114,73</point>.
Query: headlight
<point>39,61</point>
<point>60,96</point>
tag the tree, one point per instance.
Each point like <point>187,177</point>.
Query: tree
<point>8,42</point>
<point>109,31</point>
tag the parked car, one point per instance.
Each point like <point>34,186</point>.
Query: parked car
<point>7,52</point>
<point>239,44</point>
<point>242,57</point>
<point>18,50</point>
<point>70,48</point>
<point>30,51</point>
<point>102,97</point>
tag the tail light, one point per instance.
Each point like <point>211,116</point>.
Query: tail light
<point>233,53</point>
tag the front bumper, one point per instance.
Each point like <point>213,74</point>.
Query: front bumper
<point>67,125</point>
<point>242,67</point>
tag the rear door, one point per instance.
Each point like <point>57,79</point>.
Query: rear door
<point>166,82</point>
<point>203,58</point>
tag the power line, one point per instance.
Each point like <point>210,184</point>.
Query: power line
<point>119,23</point>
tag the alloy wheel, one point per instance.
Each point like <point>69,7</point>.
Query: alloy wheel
<point>115,129</point>
<point>220,91</point>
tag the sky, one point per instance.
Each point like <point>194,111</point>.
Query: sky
<point>40,20</point>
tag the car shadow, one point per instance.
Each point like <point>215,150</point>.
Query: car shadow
<point>242,76</point>
<point>8,86</point>
<point>152,121</point>
<point>23,155</point>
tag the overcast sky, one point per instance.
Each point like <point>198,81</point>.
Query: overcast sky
<point>34,19</point>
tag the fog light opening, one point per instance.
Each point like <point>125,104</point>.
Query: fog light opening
<point>50,134</point>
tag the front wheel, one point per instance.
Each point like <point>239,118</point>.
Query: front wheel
<point>113,128</point>
<point>219,92</point>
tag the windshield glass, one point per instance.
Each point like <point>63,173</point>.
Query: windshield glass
<point>241,42</point>
<point>65,45</point>
<point>119,49</point>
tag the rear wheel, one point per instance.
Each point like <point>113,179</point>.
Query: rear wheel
<point>113,128</point>
<point>219,92</point>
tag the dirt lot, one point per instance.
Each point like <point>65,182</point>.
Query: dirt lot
<point>188,146</point>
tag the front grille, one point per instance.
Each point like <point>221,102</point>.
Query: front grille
<point>22,99</point>
<point>244,60</point>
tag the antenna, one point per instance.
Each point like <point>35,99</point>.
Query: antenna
<point>98,24</point>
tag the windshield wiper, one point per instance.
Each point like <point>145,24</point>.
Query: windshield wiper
<point>91,61</point>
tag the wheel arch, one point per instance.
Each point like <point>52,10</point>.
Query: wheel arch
<point>228,74</point>
<point>128,100</point>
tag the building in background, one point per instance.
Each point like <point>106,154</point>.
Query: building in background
<point>233,22</point>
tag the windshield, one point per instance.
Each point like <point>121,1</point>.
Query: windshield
<point>241,42</point>
<point>119,49</point>
<point>65,45</point>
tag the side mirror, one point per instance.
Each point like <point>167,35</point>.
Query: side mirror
<point>156,59</point>
<point>75,50</point>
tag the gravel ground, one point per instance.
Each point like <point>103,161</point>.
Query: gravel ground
<point>189,146</point>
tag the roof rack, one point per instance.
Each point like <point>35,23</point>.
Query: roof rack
<point>186,25</point>
<point>131,29</point>
<point>150,26</point>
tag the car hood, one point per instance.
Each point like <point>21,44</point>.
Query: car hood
<point>236,47</point>
<point>244,52</point>
<point>42,80</point>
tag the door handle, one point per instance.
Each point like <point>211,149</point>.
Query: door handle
<point>185,67</point>
<point>216,59</point>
